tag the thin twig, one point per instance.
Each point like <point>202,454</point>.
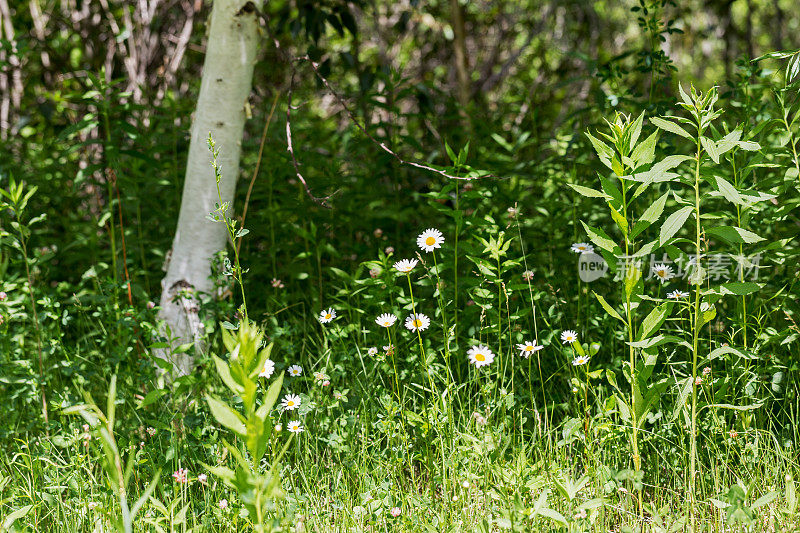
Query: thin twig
<point>258,164</point>
<point>290,149</point>
<point>382,145</point>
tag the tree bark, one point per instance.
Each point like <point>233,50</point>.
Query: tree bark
<point>224,89</point>
<point>460,50</point>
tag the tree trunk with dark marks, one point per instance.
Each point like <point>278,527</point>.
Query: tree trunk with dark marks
<point>224,90</point>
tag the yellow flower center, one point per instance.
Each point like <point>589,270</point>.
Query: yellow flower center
<point>289,403</point>
<point>327,316</point>
<point>430,241</point>
<point>417,323</point>
<point>480,357</point>
<point>528,348</point>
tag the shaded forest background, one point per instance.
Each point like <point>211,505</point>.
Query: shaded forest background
<point>97,99</point>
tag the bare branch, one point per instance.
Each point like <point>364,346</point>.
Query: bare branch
<point>382,145</point>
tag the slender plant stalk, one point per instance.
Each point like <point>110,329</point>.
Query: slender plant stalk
<point>695,336</point>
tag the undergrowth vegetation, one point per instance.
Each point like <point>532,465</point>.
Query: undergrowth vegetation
<point>601,336</point>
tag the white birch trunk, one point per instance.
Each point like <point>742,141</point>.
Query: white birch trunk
<point>224,89</point>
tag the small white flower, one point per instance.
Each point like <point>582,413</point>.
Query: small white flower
<point>663,273</point>
<point>372,352</point>
<point>202,478</point>
<point>269,368</point>
<point>677,295</point>
<point>386,320</point>
<point>580,360</point>
<point>527,348</point>
<point>430,239</point>
<point>327,315</point>
<point>295,370</point>
<point>295,427</point>
<point>418,322</point>
<point>527,275</point>
<point>480,355</point>
<point>223,504</point>
<point>406,265</point>
<point>568,336</point>
<point>320,376</point>
<point>291,402</point>
<point>582,248</point>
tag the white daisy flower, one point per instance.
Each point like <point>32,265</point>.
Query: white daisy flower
<point>430,239</point>
<point>568,336</point>
<point>406,265</point>
<point>580,360</point>
<point>295,427</point>
<point>386,320</point>
<point>582,248</point>
<point>327,315</point>
<point>290,402</point>
<point>269,368</point>
<point>295,370</point>
<point>663,273</point>
<point>677,295</point>
<point>527,348</point>
<point>418,322</point>
<point>372,352</point>
<point>480,355</point>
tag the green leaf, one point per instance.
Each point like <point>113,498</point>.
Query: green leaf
<point>729,191</point>
<point>645,151</point>
<point>621,221</point>
<point>604,152</point>
<point>152,397</point>
<point>227,416</point>
<point>20,513</point>
<point>651,342</point>
<point>735,235</point>
<point>736,407</point>
<point>740,288</point>
<point>650,215</point>
<point>674,223</point>
<point>600,239</point>
<point>706,316</point>
<point>272,393</point>
<point>588,192</point>
<point>764,500</point>
<point>610,310</point>
<point>729,141</point>
<point>683,395</point>
<point>224,372</point>
<point>654,320</point>
<point>711,149</point>
<point>750,146</point>
<point>554,516</point>
<point>671,127</point>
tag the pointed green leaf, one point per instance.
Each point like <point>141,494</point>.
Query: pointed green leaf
<point>674,223</point>
<point>671,127</point>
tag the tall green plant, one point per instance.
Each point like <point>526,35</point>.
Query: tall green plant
<point>118,470</point>
<point>705,185</point>
<point>254,425</point>
<point>633,172</point>
<point>16,199</point>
